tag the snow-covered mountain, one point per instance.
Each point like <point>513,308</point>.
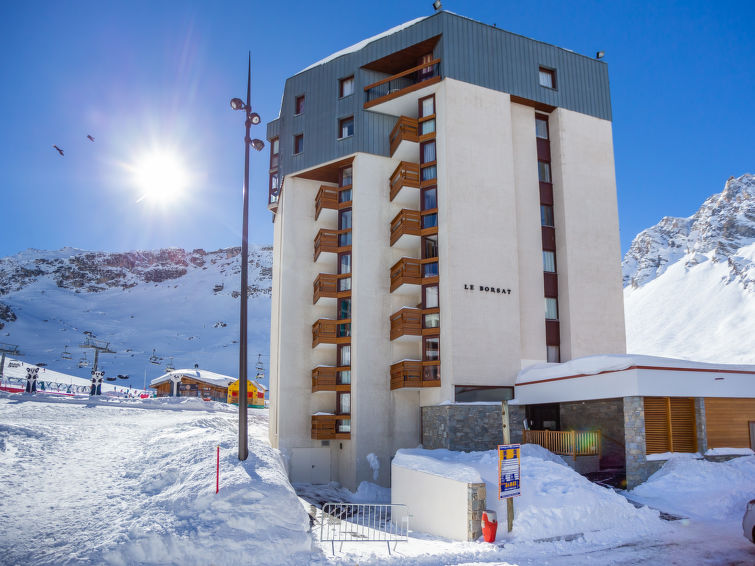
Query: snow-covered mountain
<point>689,283</point>
<point>182,304</point>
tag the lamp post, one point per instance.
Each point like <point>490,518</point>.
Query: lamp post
<point>252,118</point>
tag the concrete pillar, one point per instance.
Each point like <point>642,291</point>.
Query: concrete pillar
<point>702,432</point>
<point>634,441</point>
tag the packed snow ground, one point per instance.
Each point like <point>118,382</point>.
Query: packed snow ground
<point>116,481</point>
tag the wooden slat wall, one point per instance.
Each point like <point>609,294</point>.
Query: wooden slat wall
<point>657,435</point>
<point>683,433</point>
<point>670,425</point>
<point>727,422</point>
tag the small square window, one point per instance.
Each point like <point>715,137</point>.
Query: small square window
<point>551,308</point>
<point>546,215</point>
<point>299,105</point>
<point>298,143</point>
<point>549,262</point>
<point>346,86</point>
<point>554,354</point>
<point>346,127</point>
<point>548,77</point>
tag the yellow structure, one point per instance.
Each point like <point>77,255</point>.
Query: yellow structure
<point>255,394</point>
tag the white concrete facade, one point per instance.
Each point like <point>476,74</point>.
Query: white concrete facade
<point>489,235</point>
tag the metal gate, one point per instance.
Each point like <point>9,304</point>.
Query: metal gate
<point>364,522</point>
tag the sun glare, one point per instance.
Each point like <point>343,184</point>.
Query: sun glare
<point>160,176</point>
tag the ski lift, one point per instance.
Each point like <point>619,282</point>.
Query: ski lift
<point>110,378</point>
<point>65,354</point>
<point>170,367</point>
<point>83,362</point>
<point>218,287</point>
<point>260,366</point>
<point>154,358</point>
<point>121,376</point>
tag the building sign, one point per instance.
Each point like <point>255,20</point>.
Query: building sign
<point>487,289</point>
<point>508,471</point>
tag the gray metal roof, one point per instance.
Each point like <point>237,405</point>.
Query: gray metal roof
<point>470,51</point>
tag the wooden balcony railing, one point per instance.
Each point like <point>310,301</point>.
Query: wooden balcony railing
<point>325,378</point>
<point>328,331</point>
<point>415,374</point>
<point>331,286</point>
<point>406,322</point>
<point>328,427</point>
<point>405,175</point>
<point>404,130</point>
<point>406,223</point>
<point>402,83</point>
<point>407,270</point>
<point>566,443</point>
<point>331,198</point>
<point>328,240</point>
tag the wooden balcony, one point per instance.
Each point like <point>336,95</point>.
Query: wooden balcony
<point>328,331</point>
<point>405,175</point>
<point>406,271</point>
<point>328,427</point>
<point>325,378</point>
<point>415,374</point>
<point>566,443</point>
<point>328,240</point>
<point>331,286</point>
<point>402,83</point>
<point>406,223</point>
<point>404,130</point>
<point>406,322</point>
<point>330,198</point>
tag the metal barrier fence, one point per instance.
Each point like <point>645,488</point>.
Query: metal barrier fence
<point>14,383</point>
<point>364,522</point>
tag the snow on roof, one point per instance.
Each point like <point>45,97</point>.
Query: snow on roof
<point>199,374</point>
<point>363,43</point>
<point>592,365</point>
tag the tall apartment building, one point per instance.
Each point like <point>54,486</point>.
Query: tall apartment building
<point>445,214</point>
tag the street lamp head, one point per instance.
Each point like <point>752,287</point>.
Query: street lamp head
<point>258,144</point>
<point>237,104</point>
<point>254,118</point>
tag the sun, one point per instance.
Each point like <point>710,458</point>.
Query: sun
<point>160,176</point>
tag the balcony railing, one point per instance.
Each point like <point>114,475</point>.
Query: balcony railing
<point>331,286</point>
<point>415,374</point>
<point>331,198</point>
<point>406,322</point>
<point>402,83</point>
<point>404,130</point>
<point>405,175</point>
<point>329,331</point>
<point>406,271</point>
<point>406,223</point>
<point>567,443</point>
<point>328,427</point>
<point>334,241</point>
<point>330,378</point>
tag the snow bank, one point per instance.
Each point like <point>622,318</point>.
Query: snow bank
<point>701,489</point>
<point>555,500</point>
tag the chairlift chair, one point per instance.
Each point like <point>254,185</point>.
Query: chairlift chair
<point>65,354</point>
<point>260,366</point>
<point>122,376</point>
<point>110,378</point>
<point>170,367</point>
<point>83,362</point>
<point>154,358</point>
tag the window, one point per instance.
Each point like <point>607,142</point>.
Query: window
<point>274,153</point>
<point>345,176</point>
<point>431,348</point>
<point>541,128</point>
<point>344,355</point>
<point>343,377</point>
<point>430,297</point>
<point>553,354</point>
<point>344,404</point>
<point>430,269</point>
<point>429,198</point>
<point>427,127</point>
<point>346,127</point>
<point>344,223</point>
<point>299,104</point>
<point>548,77</point>
<point>431,320</point>
<point>298,143</point>
<point>429,247</point>
<point>346,86</point>
<point>430,220</point>
<point>344,267</point>
<point>551,308</point>
<point>544,171</point>
<point>427,154</point>
<point>546,215</point>
<point>427,106</point>
<point>549,262</point>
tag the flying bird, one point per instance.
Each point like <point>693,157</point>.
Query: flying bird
<point>60,151</point>
<point>90,137</point>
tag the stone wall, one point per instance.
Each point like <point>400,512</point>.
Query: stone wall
<point>634,439</point>
<point>516,422</point>
<point>604,414</point>
<point>476,498</point>
<point>464,428</point>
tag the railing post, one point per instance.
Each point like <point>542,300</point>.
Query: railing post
<point>574,444</point>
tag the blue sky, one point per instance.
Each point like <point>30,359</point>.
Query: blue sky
<point>144,75</point>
